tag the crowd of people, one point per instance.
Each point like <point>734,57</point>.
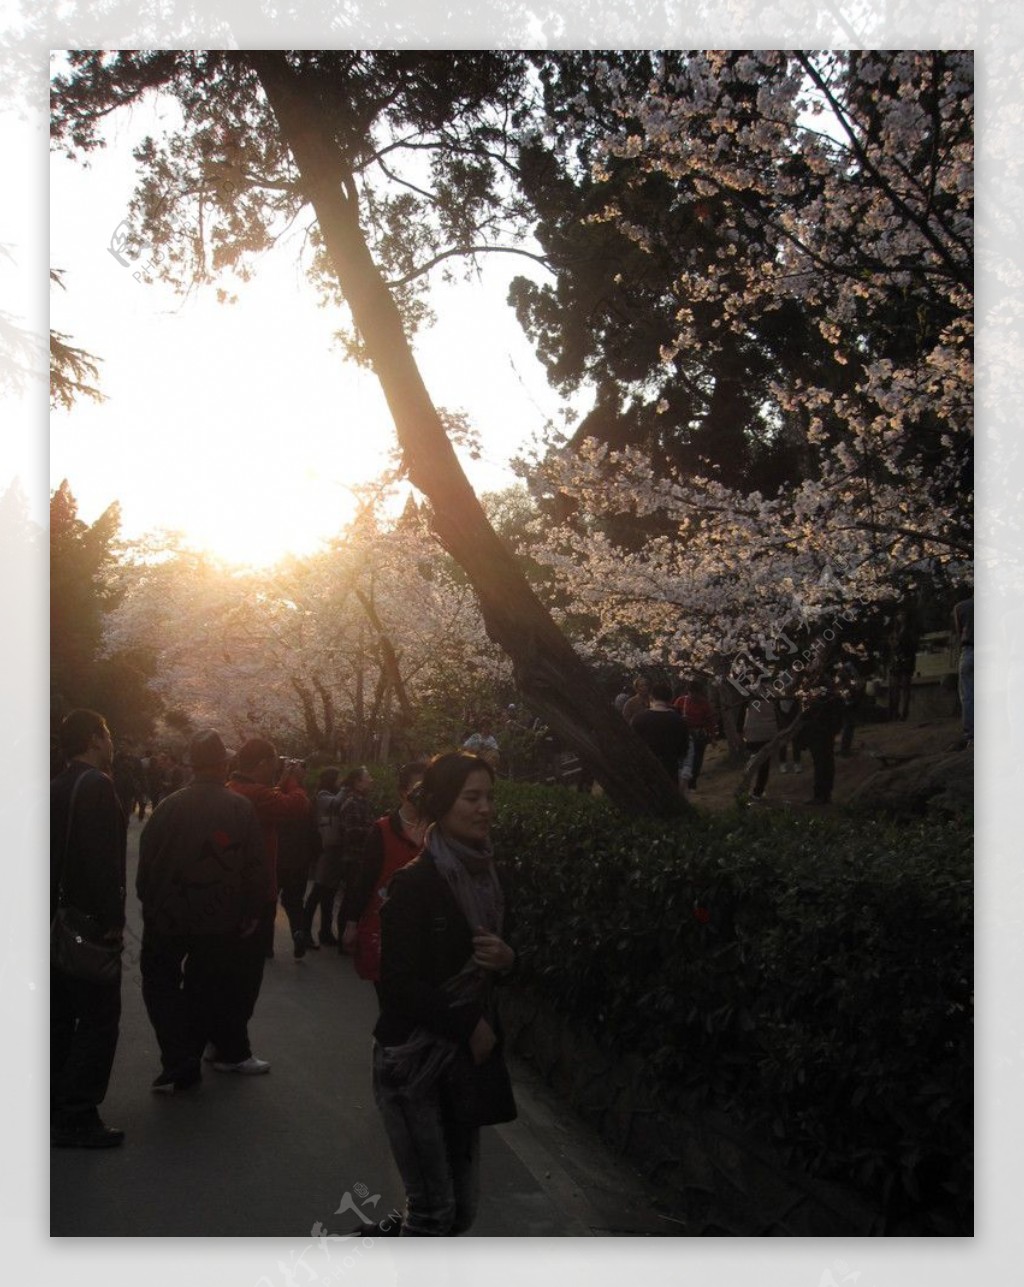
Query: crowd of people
<point>421,912</point>
<point>679,728</point>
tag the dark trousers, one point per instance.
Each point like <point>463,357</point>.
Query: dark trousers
<point>821,745</point>
<point>846,732</point>
<point>198,988</point>
<point>761,779</point>
<point>699,743</point>
<point>84,1024</point>
<point>321,898</point>
<point>291,890</point>
<point>437,1157</point>
<point>790,747</point>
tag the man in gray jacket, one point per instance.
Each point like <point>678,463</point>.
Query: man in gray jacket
<point>202,881</point>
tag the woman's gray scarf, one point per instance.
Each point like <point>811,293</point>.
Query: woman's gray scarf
<point>419,1061</point>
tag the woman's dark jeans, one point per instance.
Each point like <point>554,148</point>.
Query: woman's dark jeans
<point>437,1157</point>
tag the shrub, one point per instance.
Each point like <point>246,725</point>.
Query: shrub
<point>808,974</point>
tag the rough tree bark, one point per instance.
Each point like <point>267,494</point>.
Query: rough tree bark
<point>548,672</point>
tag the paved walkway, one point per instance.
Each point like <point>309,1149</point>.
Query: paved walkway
<point>290,1154</point>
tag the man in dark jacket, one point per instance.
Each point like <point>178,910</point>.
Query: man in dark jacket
<point>664,730</point>
<point>202,881</point>
<point>88,842</point>
<point>823,718</point>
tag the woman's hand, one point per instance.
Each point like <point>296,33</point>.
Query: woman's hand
<point>482,1041</point>
<point>490,952</point>
<point>350,936</point>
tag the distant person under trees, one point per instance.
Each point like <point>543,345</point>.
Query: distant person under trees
<point>702,726</point>
<point>760,726</point>
<point>663,728</point>
<point>640,700</point>
<point>903,643</point>
<point>327,871</point>
<point>963,626</point>
<point>482,742</point>
<point>822,720</point>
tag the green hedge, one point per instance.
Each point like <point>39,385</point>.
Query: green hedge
<point>809,974</point>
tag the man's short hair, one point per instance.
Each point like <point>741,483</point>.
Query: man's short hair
<point>253,752</point>
<point>78,729</point>
<point>661,692</point>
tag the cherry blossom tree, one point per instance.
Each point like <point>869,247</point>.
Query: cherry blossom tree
<point>839,184</point>
<point>328,652</point>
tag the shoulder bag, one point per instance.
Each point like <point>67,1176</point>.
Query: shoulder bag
<point>77,948</point>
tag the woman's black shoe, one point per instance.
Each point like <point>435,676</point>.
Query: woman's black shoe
<point>328,940</point>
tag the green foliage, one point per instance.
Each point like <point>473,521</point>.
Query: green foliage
<point>82,562</point>
<point>809,976</point>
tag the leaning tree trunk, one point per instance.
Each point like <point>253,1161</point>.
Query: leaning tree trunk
<point>548,672</point>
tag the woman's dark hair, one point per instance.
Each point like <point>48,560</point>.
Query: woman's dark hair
<point>352,777</point>
<point>443,780</point>
<point>408,774</point>
<point>328,779</point>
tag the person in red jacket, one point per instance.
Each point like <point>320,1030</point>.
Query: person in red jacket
<point>393,841</point>
<point>278,796</point>
<point>699,716</point>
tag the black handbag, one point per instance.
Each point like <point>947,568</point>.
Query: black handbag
<point>77,947</point>
<point>479,1094</point>
<point>77,950</point>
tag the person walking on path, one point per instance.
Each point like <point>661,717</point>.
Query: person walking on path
<point>88,846</point>
<point>823,718</point>
<point>298,849</point>
<point>699,717</point>
<point>394,840</point>
<point>760,726</point>
<point>663,728</point>
<point>202,882</point>
<point>963,628</point>
<point>438,1073</point>
<point>789,709</point>
<point>355,819</point>
<point>327,872</point>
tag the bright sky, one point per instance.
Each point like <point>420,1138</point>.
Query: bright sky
<point>242,425</point>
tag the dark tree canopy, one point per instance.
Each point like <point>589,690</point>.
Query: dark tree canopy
<point>83,557</point>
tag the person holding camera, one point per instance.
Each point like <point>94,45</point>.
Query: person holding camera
<point>276,792</point>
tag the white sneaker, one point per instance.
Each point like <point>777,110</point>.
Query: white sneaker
<point>784,768</point>
<point>798,768</point>
<point>250,1067</point>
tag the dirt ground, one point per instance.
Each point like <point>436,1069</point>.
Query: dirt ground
<point>875,747</point>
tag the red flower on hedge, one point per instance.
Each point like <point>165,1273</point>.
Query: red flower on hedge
<point>702,915</point>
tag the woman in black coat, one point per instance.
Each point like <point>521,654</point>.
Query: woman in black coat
<point>438,1072</point>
